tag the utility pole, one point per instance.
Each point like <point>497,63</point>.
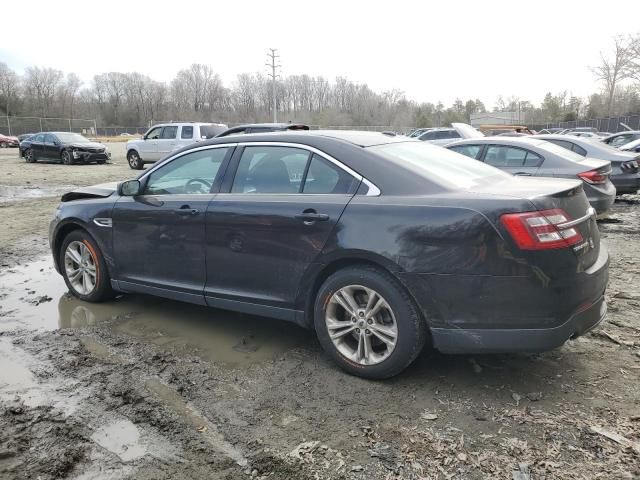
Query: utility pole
<point>272,64</point>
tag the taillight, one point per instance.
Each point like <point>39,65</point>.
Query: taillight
<point>541,230</point>
<point>594,177</point>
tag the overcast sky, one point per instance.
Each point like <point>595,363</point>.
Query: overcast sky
<point>433,51</point>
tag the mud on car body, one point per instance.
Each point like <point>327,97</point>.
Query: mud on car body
<point>380,243</point>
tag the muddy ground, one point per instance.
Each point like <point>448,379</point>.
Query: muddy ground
<point>147,388</point>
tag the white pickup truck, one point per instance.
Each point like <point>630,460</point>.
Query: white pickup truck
<point>160,140</point>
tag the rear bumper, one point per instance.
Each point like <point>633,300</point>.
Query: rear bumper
<point>601,203</point>
<point>516,339</point>
<point>626,182</point>
<point>493,314</point>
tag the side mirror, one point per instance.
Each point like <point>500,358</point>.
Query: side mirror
<point>130,188</point>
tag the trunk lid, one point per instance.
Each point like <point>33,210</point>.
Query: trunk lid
<point>567,195</point>
<point>467,131</point>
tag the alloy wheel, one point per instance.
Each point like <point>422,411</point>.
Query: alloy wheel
<point>80,267</point>
<point>133,160</point>
<point>361,324</point>
<point>28,155</point>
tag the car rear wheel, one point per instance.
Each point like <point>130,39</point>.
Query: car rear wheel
<point>134,160</point>
<point>66,158</point>
<point>83,268</point>
<point>101,162</point>
<point>29,157</point>
<point>367,322</point>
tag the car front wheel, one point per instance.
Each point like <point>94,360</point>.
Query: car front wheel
<point>4,145</point>
<point>28,156</point>
<point>83,268</point>
<point>134,160</point>
<point>66,158</point>
<point>368,323</point>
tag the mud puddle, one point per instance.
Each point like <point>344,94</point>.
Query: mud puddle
<point>35,297</point>
<point>15,193</point>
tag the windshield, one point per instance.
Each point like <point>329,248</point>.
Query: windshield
<point>451,170</point>
<point>69,137</point>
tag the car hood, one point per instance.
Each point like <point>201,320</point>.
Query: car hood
<point>467,131</point>
<point>102,190</point>
<point>86,145</point>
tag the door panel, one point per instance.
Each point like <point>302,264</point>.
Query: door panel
<point>148,147</point>
<point>159,236</point>
<point>168,141</point>
<point>158,241</point>
<point>50,149</point>
<point>258,246</point>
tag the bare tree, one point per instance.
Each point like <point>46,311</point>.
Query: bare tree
<point>9,85</point>
<point>613,70</point>
<point>42,85</point>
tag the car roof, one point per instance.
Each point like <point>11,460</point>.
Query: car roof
<point>354,137</point>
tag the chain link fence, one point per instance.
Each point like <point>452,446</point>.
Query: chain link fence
<point>23,125</point>
<point>609,124</point>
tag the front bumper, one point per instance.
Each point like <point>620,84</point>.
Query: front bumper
<point>89,156</point>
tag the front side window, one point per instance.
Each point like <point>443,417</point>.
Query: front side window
<point>154,133</point>
<point>49,139</point>
<point>470,151</point>
<point>270,170</point>
<point>442,135</point>
<point>325,177</point>
<point>169,133</point>
<point>428,136</point>
<point>39,138</point>
<point>192,173</point>
<point>186,133</point>
<point>620,140</point>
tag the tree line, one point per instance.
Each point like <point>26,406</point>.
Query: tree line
<point>197,93</point>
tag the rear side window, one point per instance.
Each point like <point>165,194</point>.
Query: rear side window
<point>532,159</point>
<point>453,134</point>
<point>270,170</point>
<point>186,133</point>
<point>503,156</point>
<point>443,134</point>
<point>169,133</point>
<point>470,151</point>
<point>428,136</point>
<point>325,177</point>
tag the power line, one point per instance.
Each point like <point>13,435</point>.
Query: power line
<point>272,55</point>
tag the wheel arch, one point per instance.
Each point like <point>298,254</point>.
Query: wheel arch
<point>336,264</point>
<point>65,229</point>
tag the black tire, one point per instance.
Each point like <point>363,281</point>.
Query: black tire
<point>4,145</point>
<point>102,289</point>
<point>135,162</point>
<point>66,157</point>
<point>29,156</point>
<point>411,327</point>
<point>101,162</point>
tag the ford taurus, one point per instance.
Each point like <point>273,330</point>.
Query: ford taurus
<point>382,244</point>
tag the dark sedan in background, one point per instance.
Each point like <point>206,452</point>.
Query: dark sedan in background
<point>64,147</point>
<point>625,170</point>
<point>380,243</point>
<point>530,156</point>
<point>262,128</point>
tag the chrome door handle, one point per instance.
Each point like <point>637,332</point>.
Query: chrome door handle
<point>312,217</point>
<point>187,211</point>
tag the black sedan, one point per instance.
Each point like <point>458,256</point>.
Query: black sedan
<point>64,147</point>
<point>380,243</point>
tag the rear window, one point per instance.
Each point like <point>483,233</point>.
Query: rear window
<point>561,151</point>
<point>440,165</point>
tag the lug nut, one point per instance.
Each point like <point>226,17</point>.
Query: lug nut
<point>367,331</point>
<point>357,330</point>
<point>353,319</point>
<point>361,314</point>
<point>369,321</point>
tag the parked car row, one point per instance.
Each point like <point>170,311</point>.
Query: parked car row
<point>378,242</point>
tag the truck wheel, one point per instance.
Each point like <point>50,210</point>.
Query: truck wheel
<point>134,160</point>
